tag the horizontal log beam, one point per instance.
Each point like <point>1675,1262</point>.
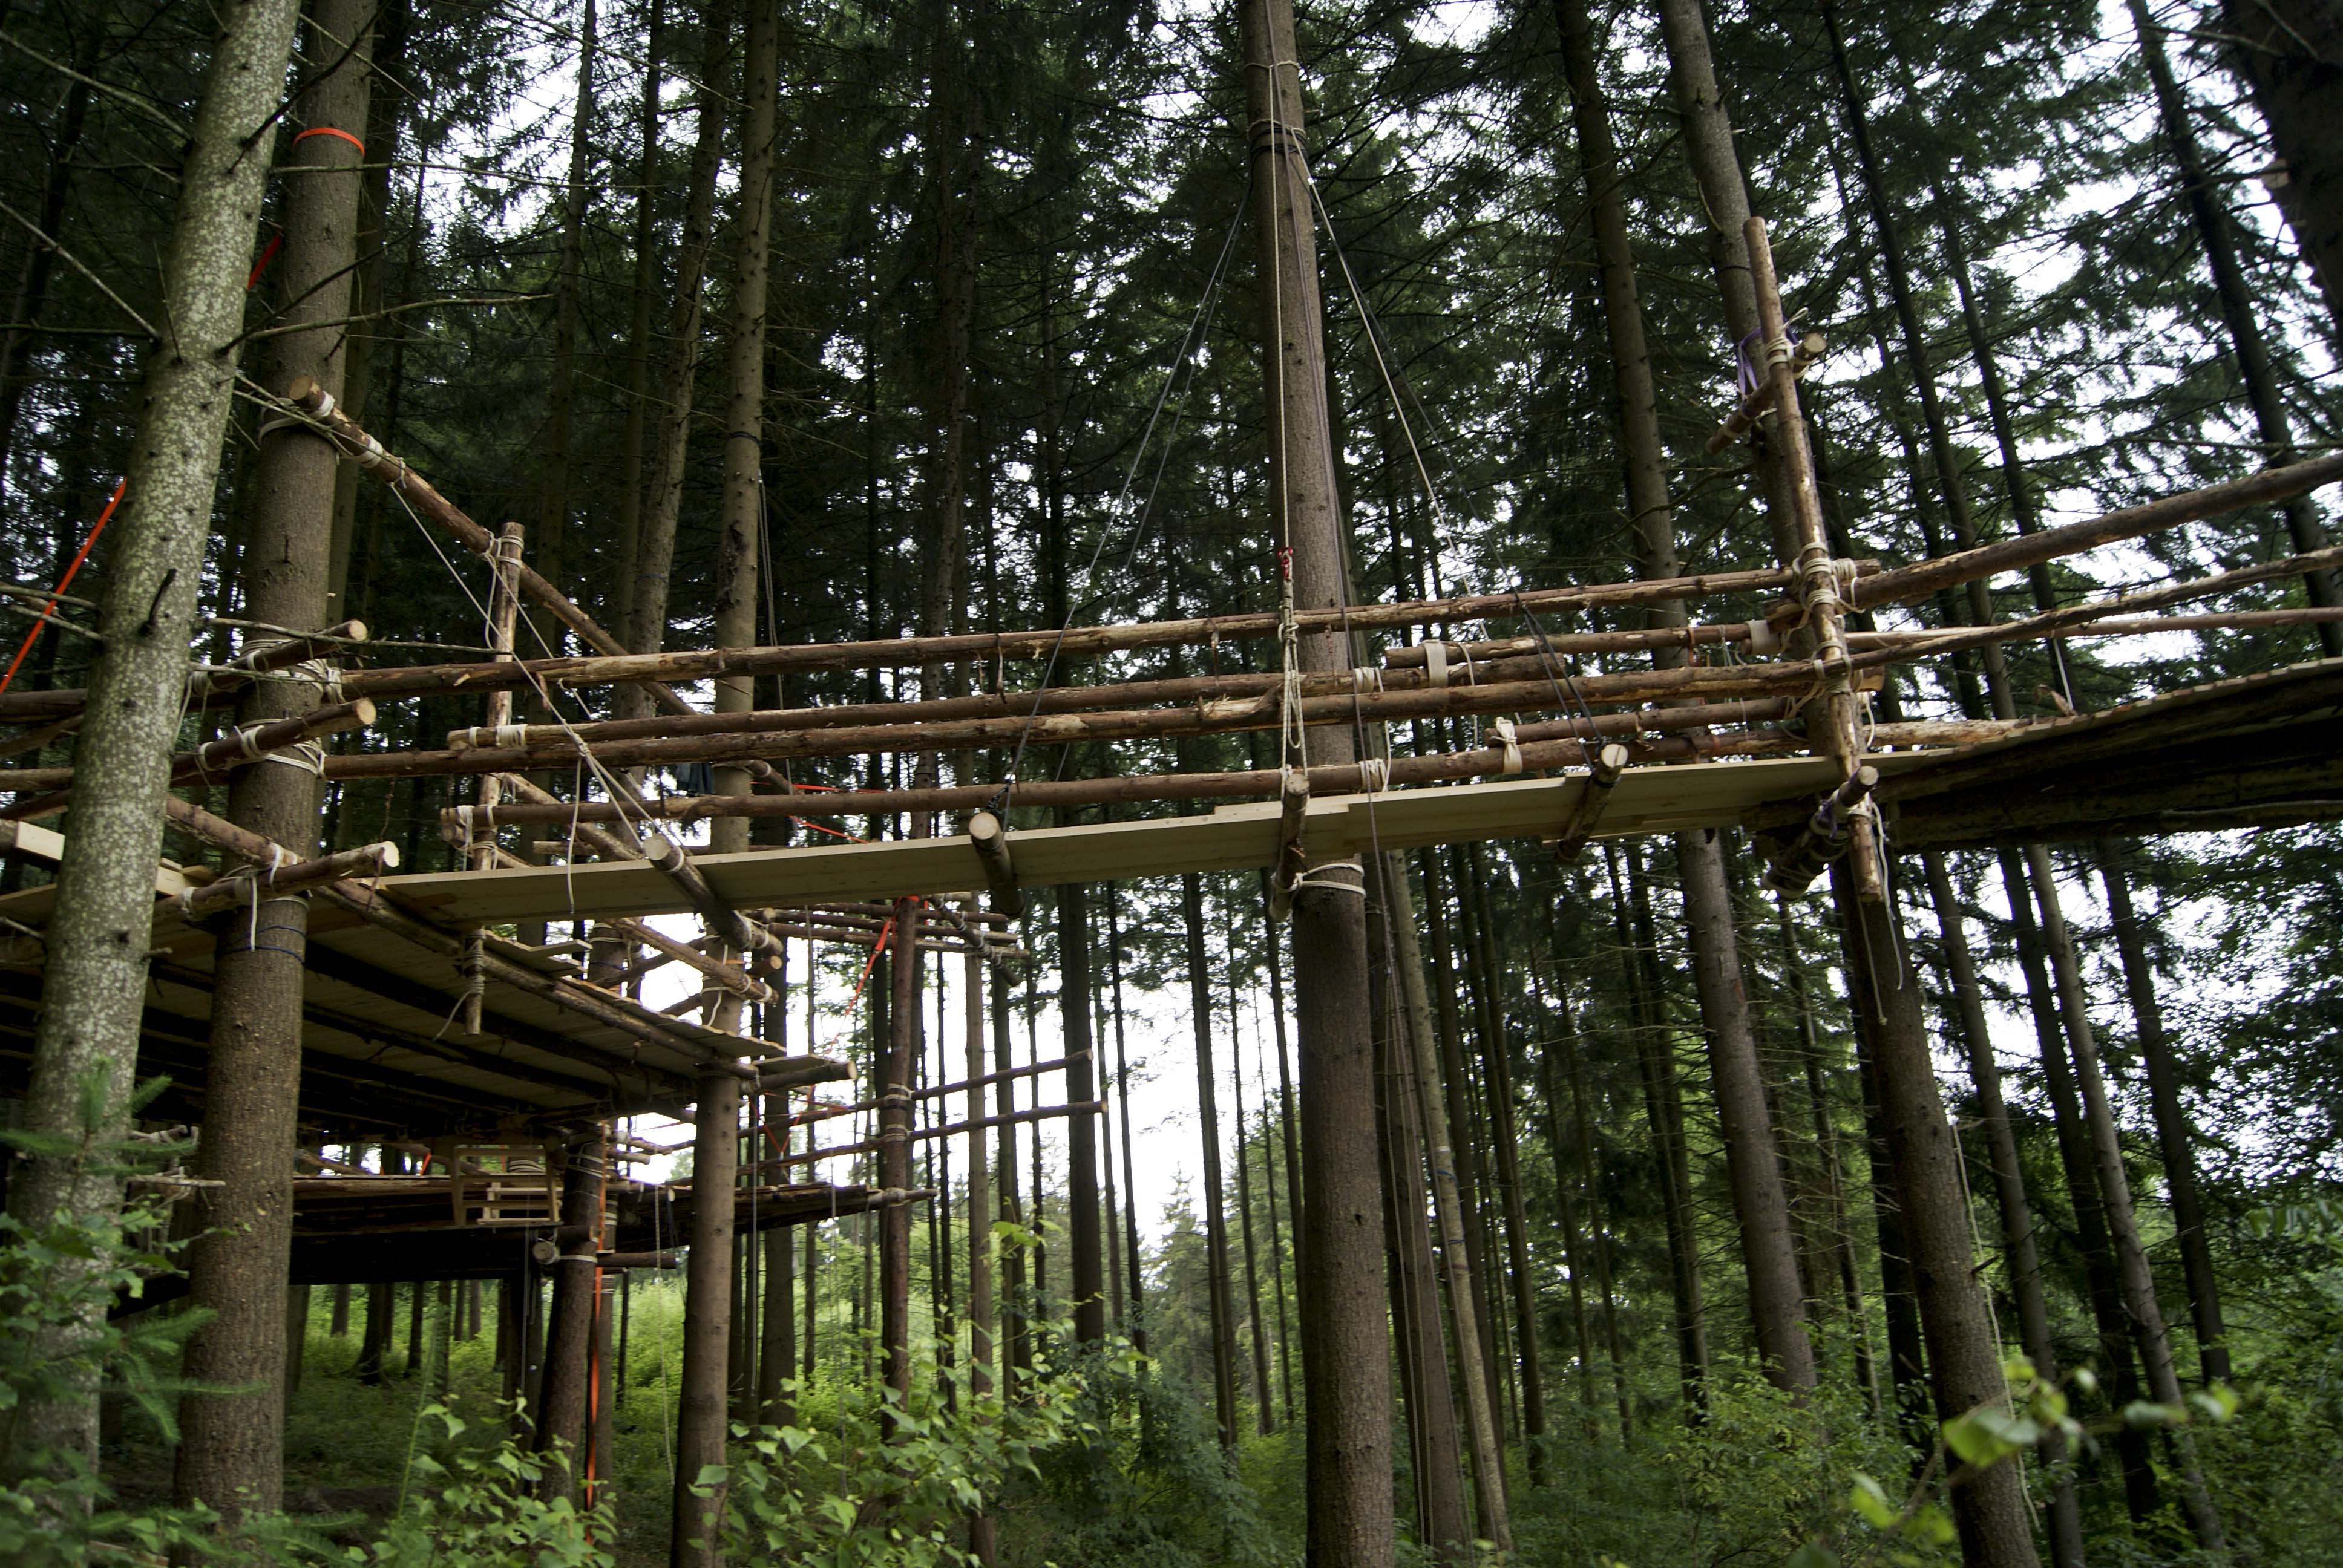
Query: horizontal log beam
<point>1921,579</point>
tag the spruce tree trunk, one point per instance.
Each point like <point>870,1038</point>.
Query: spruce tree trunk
<point>1412,1032</point>
<point>700,1406</point>
<point>2290,52</point>
<point>231,1450</point>
<point>1964,1360</point>
<point>2121,1372</point>
<point>1598,1228</point>
<point>86,1040</point>
<point>1471,1260</point>
<point>1662,1115</point>
<point>1086,1273</point>
<point>2020,1255</point>
<point>640,298</point>
<point>1015,1303</point>
<point>1132,1260</point>
<point>654,555</point>
<point>1288,1112</point>
<point>41,253</point>
<point>569,1331</point>
<point>1346,1343</point>
<point>1264,1410</point>
<point>2176,1137</point>
<point>2132,1273</point>
<point>553,481</point>
<point>1435,1445</point>
<point>1216,1239</point>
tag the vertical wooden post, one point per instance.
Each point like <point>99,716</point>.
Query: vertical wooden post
<point>569,1329</point>
<point>895,1151</point>
<point>1208,1124</point>
<point>231,1453</point>
<point>981,1537</point>
<point>700,1410</point>
<point>1412,1031</point>
<point>1346,1345</point>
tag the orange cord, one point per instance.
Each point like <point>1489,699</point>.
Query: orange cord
<point>65,582</point>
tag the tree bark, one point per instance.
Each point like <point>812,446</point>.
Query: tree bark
<point>563,1429</point>
<point>86,1042</point>
<point>1412,1031</point>
<point>1131,1250</point>
<point>654,559</point>
<point>1208,1125</point>
<point>2132,1274</point>
<point>553,480</point>
<point>2291,53</point>
<point>2020,1256</point>
<point>1963,1361</point>
<point>231,1449</point>
<point>1264,1399</point>
<point>41,249</point>
<point>1346,1343</point>
<point>2176,1137</point>
<point>700,1404</point>
<point>640,298</point>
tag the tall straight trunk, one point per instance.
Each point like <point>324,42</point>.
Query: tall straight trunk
<point>1131,1249</point>
<point>1276,1252</point>
<point>895,1152</point>
<point>374,1336</point>
<point>1470,1261</point>
<point>569,1338</point>
<point>2020,1255</point>
<point>1346,1341</point>
<point>1477,1126</point>
<point>982,1543</point>
<point>85,1047</point>
<point>1265,1409</point>
<point>1434,1446</point>
<point>641,295</point>
<point>1500,1066</point>
<point>386,118</point>
<point>1907,1356</point>
<point>654,555</point>
<point>1208,1125</point>
<point>1761,1199</point>
<point>1288,1115</point>
<point>2121,1368</point>
<point>700,1405</point>
<point>1964,1360</point>
<point>1574,1246</point>
<point>2132,1274</point>
<point>1825,1129</point>
<point>2290,52</point>
<point>2175,1137</point>
<point>1086,1272</point>
<point>231,1452</point>
<point>569,285</point>
<point>1015,1304</point>
<point>1662,1115</point>
<point>1573,1050</point>
<point>41,249</point>
<point>1412,1032</point>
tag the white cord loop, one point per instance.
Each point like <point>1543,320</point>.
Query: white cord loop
<point>1435,665</point>
<point>1509,739</point>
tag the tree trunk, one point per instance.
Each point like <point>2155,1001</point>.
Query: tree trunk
<point>1086,1275</point>
<point>231,1450</point>
<point>569,1337</point>
<point>1216,1237</point>
<point>1470,1263</point>
<point>41,248</point>
<point>2132,1274</point>
<point>640,296</point>
<point>2122,1375</point>
<point>2290,52</point>
<point>553,482</point>
<point>663,495</point>
<point>1015,1303</point>
<point>1131,1249</point>
<point>1907,1357</point>
<point>700,1405</point>
<point>1412,1031</point>
<point>1435,1448</point>
<point>2173,1133</point>
<point>1346,1343</point>
<point>1963,1361</point>
<point>1572,1046</point>
<point>1265,1409</point>
<point>1662,1115</point>
<point>2020,1256</point>
<point>86,1042</point>
<point>895,1153</point>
